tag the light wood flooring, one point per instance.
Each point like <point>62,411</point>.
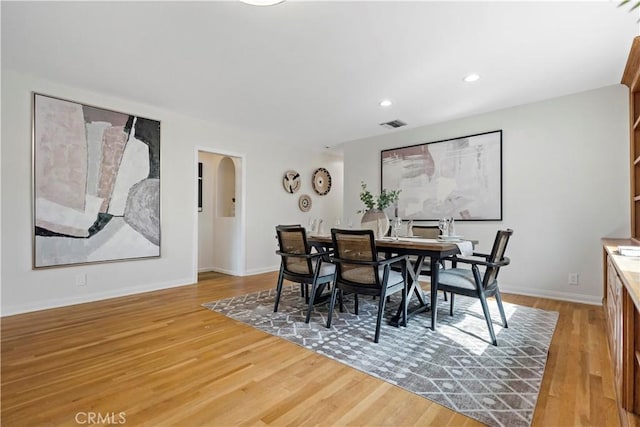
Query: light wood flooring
<point>159,358</point>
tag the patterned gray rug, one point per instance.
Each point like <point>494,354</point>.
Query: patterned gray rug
<point>456,366</point>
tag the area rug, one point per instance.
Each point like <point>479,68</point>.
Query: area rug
<point>456,366</point>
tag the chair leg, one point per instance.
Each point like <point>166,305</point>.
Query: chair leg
<point>314,289</point>
<point>501,308</point>
<point>278,290</point>
<point>356,304</point>
<point>341,298</point>
<point>383,300</point>
<point>451,304</point>
<point>405,298</point>
<point>307,296</point>
<point>487,316</point>
<point>445,296</point>
<point>434,306</point>
<point>332,304</point>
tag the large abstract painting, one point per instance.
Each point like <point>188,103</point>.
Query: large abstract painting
<point>96,184</point>
<point>459,178</point>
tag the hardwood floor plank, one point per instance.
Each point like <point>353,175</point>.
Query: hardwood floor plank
<point>162,359</point>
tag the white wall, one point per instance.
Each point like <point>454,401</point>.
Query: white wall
<point>565,185</point>
<point>266,202</point>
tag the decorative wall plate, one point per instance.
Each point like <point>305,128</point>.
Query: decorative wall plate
<point>304,203</point>
<point>321,181</point>
<point>291,181</point>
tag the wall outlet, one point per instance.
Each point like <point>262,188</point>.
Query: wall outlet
<point>81,279</point>
<point>573,279</point>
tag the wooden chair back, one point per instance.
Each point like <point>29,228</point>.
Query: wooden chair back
<point>292,240</point>
<point>358,246</point>
<point>425,231</point>
<point>496,255</point>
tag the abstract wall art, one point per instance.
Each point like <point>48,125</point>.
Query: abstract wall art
<point>459,178</point>
<point>96,184</point>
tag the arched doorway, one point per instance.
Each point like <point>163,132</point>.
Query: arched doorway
<point>220,219</point>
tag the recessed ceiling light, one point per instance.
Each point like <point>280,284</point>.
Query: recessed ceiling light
<point>385,103</point>
<point>471,78</point>
<point>262,2</point>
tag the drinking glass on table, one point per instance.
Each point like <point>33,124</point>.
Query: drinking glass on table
<point>397,225</point>
<point>443,225</point>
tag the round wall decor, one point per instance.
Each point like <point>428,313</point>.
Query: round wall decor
<point>291,181</point>
<point>304,203</point>
<point>321,181</point>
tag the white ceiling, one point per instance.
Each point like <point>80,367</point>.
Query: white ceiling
<point>314,72</point>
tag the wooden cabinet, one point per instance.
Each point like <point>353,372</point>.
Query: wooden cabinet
<point>631,78</point>
<point>622,310</point>
<point>614,321</point>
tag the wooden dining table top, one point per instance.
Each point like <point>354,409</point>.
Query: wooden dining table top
<point>406,243</point>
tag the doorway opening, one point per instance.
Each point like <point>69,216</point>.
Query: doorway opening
<point>220,213</point>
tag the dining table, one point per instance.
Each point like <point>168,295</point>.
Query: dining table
<point>420,248</point>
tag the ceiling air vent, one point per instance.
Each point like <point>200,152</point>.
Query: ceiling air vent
<point>393,124</point>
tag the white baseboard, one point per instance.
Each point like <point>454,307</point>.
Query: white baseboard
<point>63,302</point>
<point>255,271</point>
<point>219,270</point>
<point>562,296</point>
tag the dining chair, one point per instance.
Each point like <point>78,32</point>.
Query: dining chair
<point>472,283</point>
<point>300,264</point>
<point>360,271</point>
<point>425,231</point>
